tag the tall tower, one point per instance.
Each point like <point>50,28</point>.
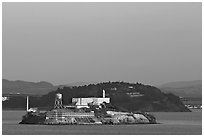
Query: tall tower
<point>104,93</point>
<point>58,101</point>
<point>27,103</point>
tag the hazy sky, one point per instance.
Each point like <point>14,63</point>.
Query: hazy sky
<point>61,43</point>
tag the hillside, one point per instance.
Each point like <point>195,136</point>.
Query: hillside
<point>24,87</point>
<point>125,96</point>
<point>77,84</point>
<point>192,89</point>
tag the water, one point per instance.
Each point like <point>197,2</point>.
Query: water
<point>172,123</point>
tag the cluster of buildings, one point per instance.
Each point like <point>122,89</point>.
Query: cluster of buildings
<point>83,102</point>
<point>73,114</point>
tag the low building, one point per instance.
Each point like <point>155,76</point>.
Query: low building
<point>66,116</point>
<point>83,102</point>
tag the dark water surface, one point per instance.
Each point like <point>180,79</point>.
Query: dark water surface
<point>172,123</point>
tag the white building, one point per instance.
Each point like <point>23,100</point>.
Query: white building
<point>83,102</point>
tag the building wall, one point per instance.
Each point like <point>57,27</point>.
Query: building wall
<point>85,101</point>
<point>55,114</point>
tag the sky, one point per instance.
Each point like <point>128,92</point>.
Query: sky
<point>62,43</point>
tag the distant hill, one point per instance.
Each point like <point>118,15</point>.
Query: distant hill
<point>24,87</point>
<point>183,88</point>
<point>76,84</point>
<point>124,96</point>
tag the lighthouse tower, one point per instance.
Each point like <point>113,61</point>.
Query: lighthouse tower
<point>58,101</point>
